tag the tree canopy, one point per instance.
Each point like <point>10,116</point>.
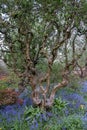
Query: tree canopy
<point>41,30</point>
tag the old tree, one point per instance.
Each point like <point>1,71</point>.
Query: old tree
<point>42,30</point>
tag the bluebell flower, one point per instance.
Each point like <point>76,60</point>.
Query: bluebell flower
<point>43,116</point>
<point>84,87</point>
<point>40,119</point>
<point>27,102</point>
<point>9,107</point>
<point>49,114</point>
<point>84,120</point>
<point>75,99</point>
<point>32,127</point>
<point>11,112</point>
<point>9,119</point>
<point>66,111</point>
<point>35,124</point>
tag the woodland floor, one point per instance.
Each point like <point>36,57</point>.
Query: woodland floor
<point>76,99</point>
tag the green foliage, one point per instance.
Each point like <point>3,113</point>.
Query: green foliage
<point>59,105</point>
<point>71,122</point>
<point>17,125</point>
<point>3,85</point>
<point>25,15</point>
<point>30,16</point>
<point>9,81</point>
<point>13,79</point>
<point>31,113</point>
<point>36,31</point>
<point>74,82</point>
<point>56,75</point>
<point>42,66</point>
<point>4,82</point>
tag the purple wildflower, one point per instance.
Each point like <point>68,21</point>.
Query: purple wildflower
<point>32,127</point>
<point>84,87</point>
<point>43,116</point>
<point>36,123</point>
<point>66,112</point>
<point>27,102</point>
<point>49,114</point>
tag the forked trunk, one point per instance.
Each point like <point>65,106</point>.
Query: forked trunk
<point>40,95</point>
